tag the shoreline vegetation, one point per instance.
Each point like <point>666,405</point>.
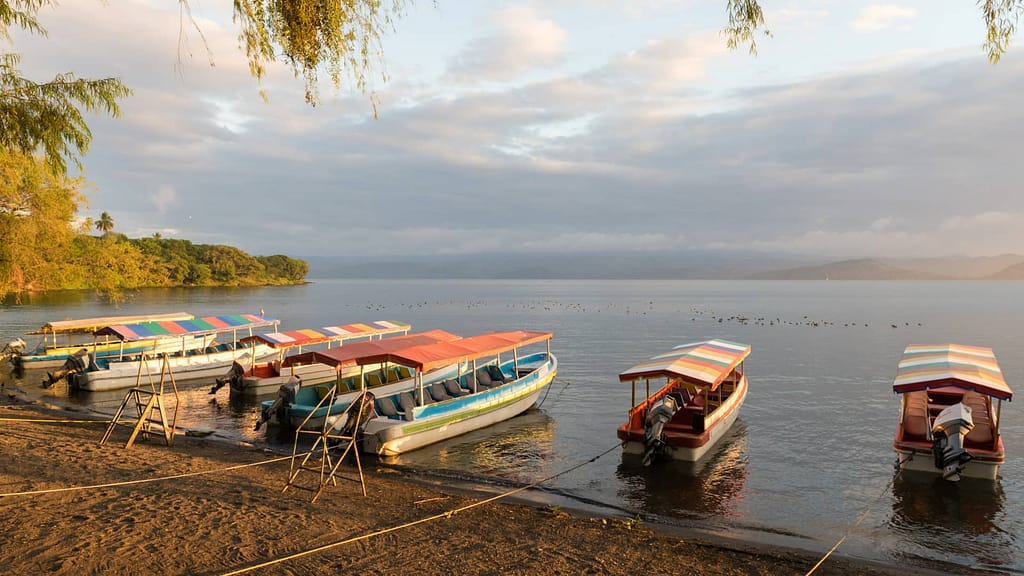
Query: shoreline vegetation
<point>215,506</point>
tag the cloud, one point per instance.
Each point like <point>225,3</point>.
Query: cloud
<point>878,17</point>
<point>524,40</point>
<point>164,198</point>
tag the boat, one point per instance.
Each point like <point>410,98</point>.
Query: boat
<point>703,386</point>
<point>263,378</point>
<point>952,400</point>
<point>496,382</point>
<point>210,360</point>
<point>63,338</point>
<point>298,402</point>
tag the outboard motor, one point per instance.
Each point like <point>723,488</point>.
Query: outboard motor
<point>654,427</point>
<point>75,364</point>
<point>285,398</point>
<point>353,421</point>
<point>12,349</point>
<point>233,376</point>
<point>948,431</point>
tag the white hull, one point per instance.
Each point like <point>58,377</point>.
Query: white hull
<point>924,462</point>
<point>194,367</point>
<point>107,352</point>
<point>386,437</point>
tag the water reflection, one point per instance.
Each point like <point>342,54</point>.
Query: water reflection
<point>520,449</point>
<point>958,521</point>
<point>711,486</point>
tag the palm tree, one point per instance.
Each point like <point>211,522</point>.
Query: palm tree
<point>105,224</point>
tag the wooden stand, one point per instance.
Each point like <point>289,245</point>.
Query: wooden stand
<point>330,436</point>
<point>147,411</point>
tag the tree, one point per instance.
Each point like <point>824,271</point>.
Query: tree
<point>105,224</point>
<point>48,115</point>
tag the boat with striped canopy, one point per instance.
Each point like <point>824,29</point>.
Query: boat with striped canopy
<point>62,338</point>
<point>261,378</point>
<point>701,387</point>
<point>951,402</point>
<point>208,360</point>
<point>497,380</point>
<point>299,403</point>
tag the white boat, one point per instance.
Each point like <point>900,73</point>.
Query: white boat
<point>701,389</point>
<point>952,399</point>
<point>299,401</point>
<point>497,383</point>
<point>63,338</point>
<point>209,361</point>
<point>261,378</point>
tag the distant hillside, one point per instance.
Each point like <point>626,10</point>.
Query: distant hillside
<point>864,269</point>
<point>1015,272</point>
<point>961,267</point>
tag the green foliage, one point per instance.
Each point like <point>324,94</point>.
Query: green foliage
<point>339,36</point>
<point>1001,18</point>
<point>105,224</point>
<point>48,115</point>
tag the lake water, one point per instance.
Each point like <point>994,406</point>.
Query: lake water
<point>812,449</point>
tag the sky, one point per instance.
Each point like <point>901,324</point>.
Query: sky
<point>858,130</point>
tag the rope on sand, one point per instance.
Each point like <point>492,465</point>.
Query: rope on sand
<point>145,480</point>
<point>54,421</point>
<point>447,514</point>
<point>863,515</point>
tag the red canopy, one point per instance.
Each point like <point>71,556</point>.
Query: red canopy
<point>349,354</point>
<point>430,356</point>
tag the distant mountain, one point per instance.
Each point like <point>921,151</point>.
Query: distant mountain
<point>1015,272</point>
<point>863,269</point>
<point>961,267</point>
<point>589,265</point>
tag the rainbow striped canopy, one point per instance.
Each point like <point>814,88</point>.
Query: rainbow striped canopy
<point>936,365</point>
<point>193,327</point>
<point>700,362</point>
<point>330,333</point>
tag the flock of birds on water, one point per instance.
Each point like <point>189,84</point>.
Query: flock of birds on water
<point>695,312</point>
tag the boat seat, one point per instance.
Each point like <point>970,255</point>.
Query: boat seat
<point>407,402</point>
<point>496,374</point>
<point>982,431</point>
<point>393,376</point>
<point>484,380</point>
<point>915,420</point>
<point>386,407</point>
<point>404,372</point>
<point>453,388</point>
<point>438,392</point>
<point>373,379</point>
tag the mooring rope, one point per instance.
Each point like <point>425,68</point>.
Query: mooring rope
<point>447,514</point>
<point>863,515</point>
<point>144,480</point>
<point>548,391</point>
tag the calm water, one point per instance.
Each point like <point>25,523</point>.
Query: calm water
<point>812,448</point>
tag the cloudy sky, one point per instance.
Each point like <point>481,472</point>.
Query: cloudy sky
<point>860,129</point>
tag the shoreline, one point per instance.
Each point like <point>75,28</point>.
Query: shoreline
<point>121,529</point>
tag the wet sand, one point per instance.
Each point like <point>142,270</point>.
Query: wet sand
<point>239,520</point>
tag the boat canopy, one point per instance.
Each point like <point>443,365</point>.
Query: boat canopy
<point>89,325</point>
<point>193,327</point>
<point>969,367</point>
<point>431,356</point>
<point>349,355</point>
<point>306,336</point>
<point>706,363</point>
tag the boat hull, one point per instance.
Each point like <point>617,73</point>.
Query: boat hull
<point>125,374</point>
<point>691,447</point>
<point>918,456</point>
<point>436,422</point>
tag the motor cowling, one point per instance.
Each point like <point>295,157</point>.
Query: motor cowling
<point>233,376</point>
<point>654,427</point>
<point>948,431</point>
<point>285,398</point>
<point>75,364</point>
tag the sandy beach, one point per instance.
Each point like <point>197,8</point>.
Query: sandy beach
<point>214,520</point>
